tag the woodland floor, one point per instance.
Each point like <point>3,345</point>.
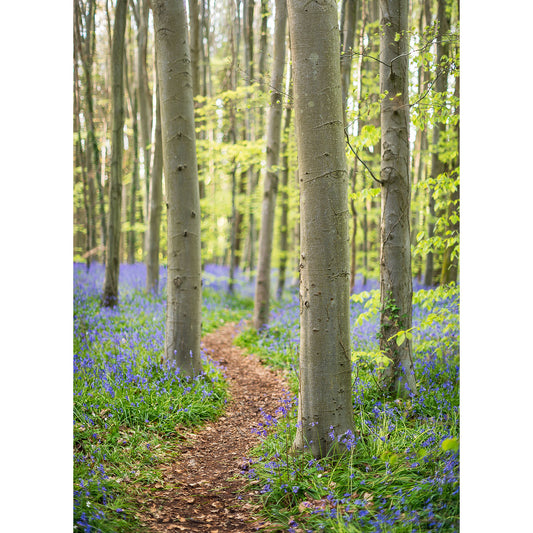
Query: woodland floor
<point>204,489</point>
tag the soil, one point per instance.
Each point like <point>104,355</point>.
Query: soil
<point>209,492</point>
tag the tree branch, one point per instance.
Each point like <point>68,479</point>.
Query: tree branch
<point>360,160</point>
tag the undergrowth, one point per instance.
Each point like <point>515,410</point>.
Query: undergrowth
<point>401,470</point>
<point>129,405</point>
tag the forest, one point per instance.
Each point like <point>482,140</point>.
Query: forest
<point>266,235</point>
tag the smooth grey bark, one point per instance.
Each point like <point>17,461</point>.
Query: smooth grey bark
<point>195,44</point>
<point>450,265</point>
<point>418,218</point>
<point>325,412</point>
<point>348,42</point>
<point>134,183</point>
<point>437,165</point>
<point>154,212</point>
<point>247,181</point>
<point>112,267</point>
<point>270,184</point>
<point>263,38</point>
<point>184,290</point>
<point>395,252</point>
<point>81,162</point>
<point>206,55</point>
<point>236,215</point>
<point>145,98</point>
<point>284,193</point>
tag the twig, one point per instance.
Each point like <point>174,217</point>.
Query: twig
<point>360,160</point>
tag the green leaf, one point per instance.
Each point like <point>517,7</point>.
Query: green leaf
<point>450,444</point>
<point>400,339</point>
<point>421,453</point>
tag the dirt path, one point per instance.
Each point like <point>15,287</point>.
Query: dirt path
<point>208,494</point>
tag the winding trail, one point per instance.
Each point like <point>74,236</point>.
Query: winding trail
<point>207,492</point>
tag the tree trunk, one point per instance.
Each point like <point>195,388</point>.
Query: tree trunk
<point>263,38</point>
<point>248,131</point>
<point>325,403</point>
<point>254,175</point>
<point>284,194</point>
<point>80,161</point>
<point>184,285</point>
<point>266,233</point>
<point>395,263</point>
<point>348,42</point>
<point>154,213</point>
<point>86,53</point>
<point>437,166</point>
<point>145,99</point>
<point>450,263</point>
<point>134,183</point>
<point>110,291</point>
<point>236,216</point>
<point>195,43</point>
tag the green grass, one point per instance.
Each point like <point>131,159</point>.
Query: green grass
<point>130,407</point>
<point>401,472</point>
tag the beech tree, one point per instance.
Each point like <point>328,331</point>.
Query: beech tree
<point>110,292</point>
<point>154,206</point>
<point>284,219</point>
<point>140,10</point>
<point>184,285</point>
<point>437,165</point>
<point>396,284</point>
<point>325,402</point>
<point>231,108</point>
<point>270,189</point>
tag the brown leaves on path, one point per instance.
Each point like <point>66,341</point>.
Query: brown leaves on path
<point>203,490</point>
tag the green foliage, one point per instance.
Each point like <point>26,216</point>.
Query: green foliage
<point>445,236</point>
<point>129,405</point>
<point>400,470</point>
<point>371,304</point>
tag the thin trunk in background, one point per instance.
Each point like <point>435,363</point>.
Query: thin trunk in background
<point>236,216</point>
<point>348,43</point>
<point>145,100</point>
<point>154,212</point>
<point>268,210</point>
<point>419,149</point>
<point>130,193</point>
<point>284,189</point>
<point>80,166</point>
<point>246,183</point>
<point>450,263</point>
<point>395,254</point>
<point>110,290</point>
<point>195,44</point>
<point>86,47</point>
<point>263,39</point>
<point>437,165</point>
<point>254,175</point>
<point>134,183</point>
